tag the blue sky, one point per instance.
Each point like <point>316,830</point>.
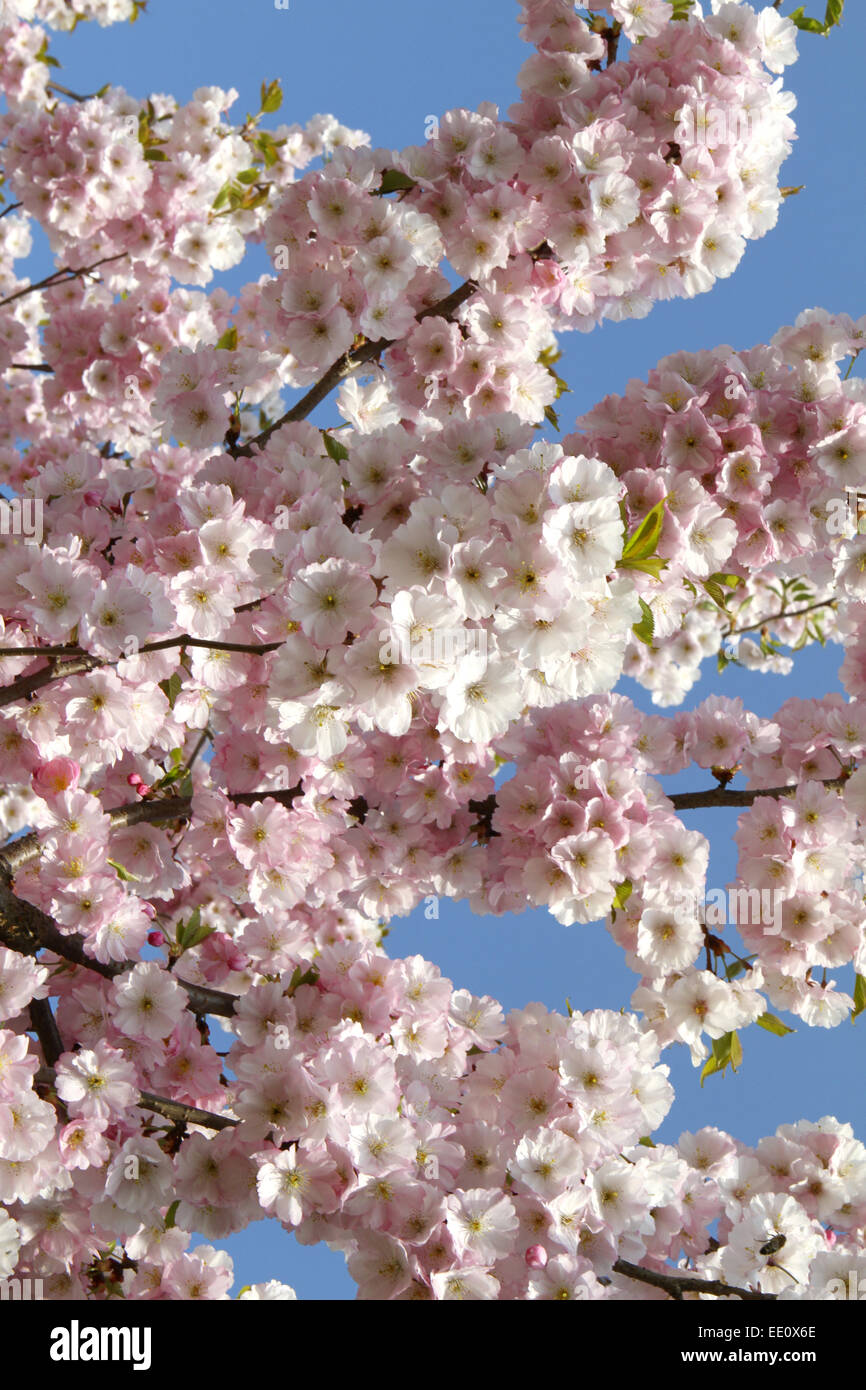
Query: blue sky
<point>384,67</point>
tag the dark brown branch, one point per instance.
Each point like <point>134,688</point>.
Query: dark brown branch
<point>13,207</point>
<point>44,1025</point>
<point>175,1110</point>
<point>62,277</point>
<point>181,1113</point>
<point>21,851</point>
<point>28,367</point>
<point>720,796</point>
<point>778,617</point>
<point>182,640</point>
<point>25,686</point>
<point>344,366</point>
<point>678,1284</point>
<point>27,929</point>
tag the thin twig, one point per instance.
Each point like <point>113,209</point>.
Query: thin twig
<point>64,91</point>
<point>344,366</point>
<point>175,1110</point>
<point>778,617</point>
<point>17,853</point>
<point>57,278</point>
<point>251,648</point>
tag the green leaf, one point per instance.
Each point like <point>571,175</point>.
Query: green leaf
<point>155,155</point>
<point>647,1142</point>
<point>773,1025</point>
<point>812,26</point>
<point>834,13</point>
<point>859,997</point>
<point>299,977</point>
<point>727,1052</point>
<point>646,627</point>
<point>43,56</point>
<point>737,967</point>
<point>171,688</point>
<point>334,448</point>
<point>641,544</point>
<point>124,874</point>
<point>171,1215</point>
<point>222,197</point>
<point>393,180</point>
<point>193,931</point>
<point>248,176</point>
<point>268,146</point>
<point>568,1006</point>
<point>229,339</point>
<point>721,660</point>
<point>622,894</point>
<point>551,416</point>
<point>653,566</point>
<point>682,9</point>
<point>716,585</point>
<point>272,97</point>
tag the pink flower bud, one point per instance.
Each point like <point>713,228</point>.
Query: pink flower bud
<point>536,1257</point>
<point>92,499</point>
<point>134,779</point>
<point>831,1237</point>
<point>57,775</point>
<point>155,938</point>
<point>142,789</point>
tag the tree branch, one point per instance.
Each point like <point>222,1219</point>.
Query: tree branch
<point>25,686</point>
<point>28,367</point>
<point>678,1284</point>
<point>64,91</point>
<point>27,929</point>
<point>19,852</point>
<point>181,1113</point>
<point>61,277</point>
<point>175,1110</point>
<point>720,796</point>
<point>13,207</point>
<point>182,640</point>
<point>777,617</point>
<point>44,1025</point>
<point>344,366</point>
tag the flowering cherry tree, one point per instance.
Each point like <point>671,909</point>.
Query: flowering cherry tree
<point>266,686</point>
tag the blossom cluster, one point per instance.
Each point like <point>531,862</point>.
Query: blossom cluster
<point>266,686</point>
<point>450,1152</point>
